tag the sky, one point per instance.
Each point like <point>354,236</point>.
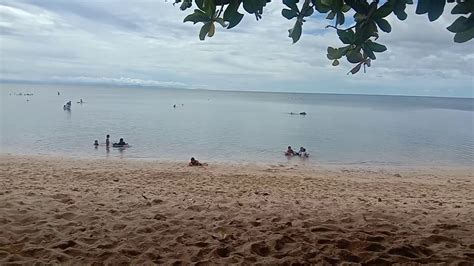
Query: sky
<point>146,43</point>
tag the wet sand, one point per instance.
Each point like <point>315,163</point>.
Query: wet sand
<point>63,210</point>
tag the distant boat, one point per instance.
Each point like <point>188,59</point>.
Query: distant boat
<point>301,113</point>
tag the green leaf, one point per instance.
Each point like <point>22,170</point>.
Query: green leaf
<point>291,4</point>
<point>383,11</point>
<point>205,30</point>
<point>252,6</point>
<point>337,5</point>
<point>399,8</point>
<point>185,5</point>
<point>289,14</point>
<point>464,36</point>
<point>346,8</point>
<point>197,16</point>
<point>422,7</point>
<point>232,15</point>
<point>365,31</point>
<point>461,8</point>
<point>343,50</point>
<point>335,62</point>
<point>309,12</point>
<point>354,56</point>
<point>368,52</point>
<point>199,3</point>
<point>295,33</point>
<point>340,18</point>
<point>327,2</point>
<point>321,8</point>
<point>331,15</point>
<point>376,47</point>
<point>437,8</point>
<point>434,8</point>
<point>209,7</point>
<point>360,6</point>
<point>346,36</point>
<point>333,53</point>
<point>383,25</point>
<point>459,25</point>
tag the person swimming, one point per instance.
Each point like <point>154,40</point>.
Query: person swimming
<point>289,151</point>
<point>96,143</point>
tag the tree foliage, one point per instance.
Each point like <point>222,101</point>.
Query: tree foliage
<point>359,40</point>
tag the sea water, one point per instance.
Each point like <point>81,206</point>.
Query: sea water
<point>236,127</point>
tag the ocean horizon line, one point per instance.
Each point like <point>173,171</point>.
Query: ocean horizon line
<point>190,88</point>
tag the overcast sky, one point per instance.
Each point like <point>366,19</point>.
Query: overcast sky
<point>146,43</point>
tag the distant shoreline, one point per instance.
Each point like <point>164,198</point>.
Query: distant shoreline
<point>111,85</point>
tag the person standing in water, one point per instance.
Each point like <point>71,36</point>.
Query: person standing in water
<point>107,141</point>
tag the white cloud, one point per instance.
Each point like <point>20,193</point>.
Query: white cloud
<point>145,42</point>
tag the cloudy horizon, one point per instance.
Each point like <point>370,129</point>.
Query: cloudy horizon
<point>146,43</point>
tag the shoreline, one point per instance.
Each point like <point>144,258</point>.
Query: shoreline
<point>295,162</point>
<point>66,210</point>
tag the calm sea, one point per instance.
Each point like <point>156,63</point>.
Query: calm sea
<point>237,127</point>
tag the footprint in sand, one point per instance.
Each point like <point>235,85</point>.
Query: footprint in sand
<point>223,252</point>
<point>411,251</point>
<point>260,248</point>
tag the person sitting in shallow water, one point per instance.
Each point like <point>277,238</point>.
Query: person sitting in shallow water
<point>302,152</point>
<point>289,151</point>
<point>121,143</point>
<point>195,162</point>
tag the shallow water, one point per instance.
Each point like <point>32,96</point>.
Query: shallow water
<point>237,126</point>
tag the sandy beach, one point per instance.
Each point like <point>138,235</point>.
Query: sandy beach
<point>83,211</point>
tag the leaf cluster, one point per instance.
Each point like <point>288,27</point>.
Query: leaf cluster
<point>358,34</point>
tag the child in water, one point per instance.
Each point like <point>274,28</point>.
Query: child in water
<point>96,143</point>
<point>289,152</point>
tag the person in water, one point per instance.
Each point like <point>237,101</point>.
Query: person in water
<point>302,152</point>
<point>120,143</point>
<point>107,140</point>
<point>96,143</point>
<point>289,152</point>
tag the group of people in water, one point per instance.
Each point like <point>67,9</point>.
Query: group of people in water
<point>289,152</point>
<point>119,144</point>
<point>302,152</point>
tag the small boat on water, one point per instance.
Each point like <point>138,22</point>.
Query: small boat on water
<point>301,113</point>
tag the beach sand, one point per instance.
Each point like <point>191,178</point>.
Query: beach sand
<point>84,211</point>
